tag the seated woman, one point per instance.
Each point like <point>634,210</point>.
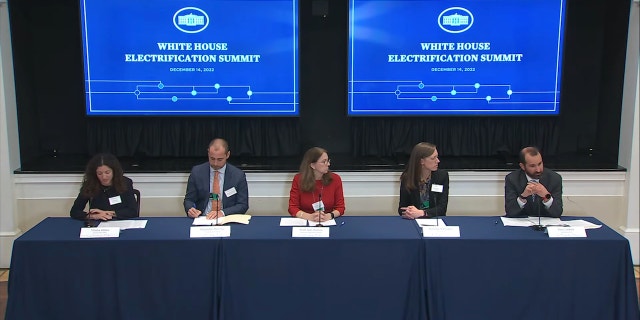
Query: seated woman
<point>108,191</point>
<point>424,190</point>
<point>316,192</point>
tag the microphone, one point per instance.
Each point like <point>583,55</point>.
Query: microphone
<point>437,189</point>
<point>88,223</point>
<point>539,226</point>
<point>215,198</point>
<point>320,208</point>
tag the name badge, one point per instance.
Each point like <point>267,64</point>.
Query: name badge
<point>309,232</point>
<point>210,232</point>
<point>115,200</point>
<point>318,206</point>
<point>106,232</point>
<point>566,232</point>
<point>436,188</point>
<point>441,232</point>
<point>231,191</point>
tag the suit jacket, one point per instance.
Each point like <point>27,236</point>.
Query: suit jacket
<point>514,184</point>
<point>439,199</point>
<point>198,189</point>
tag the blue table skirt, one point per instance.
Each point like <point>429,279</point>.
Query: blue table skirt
<point>496,272</point>
<point>370,268</point>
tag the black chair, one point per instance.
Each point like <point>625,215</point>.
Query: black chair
<point>136,194</point>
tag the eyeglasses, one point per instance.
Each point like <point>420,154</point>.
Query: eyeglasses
<point>328,161</point>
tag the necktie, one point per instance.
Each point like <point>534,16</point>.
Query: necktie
<point>533,197</point>
<point>216,190</point>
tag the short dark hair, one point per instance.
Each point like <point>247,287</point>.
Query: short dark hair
<point>532,151</point>
<point>220,142</point>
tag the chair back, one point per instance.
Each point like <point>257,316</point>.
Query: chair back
<point>136,194</point>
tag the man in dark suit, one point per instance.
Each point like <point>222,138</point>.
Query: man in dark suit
<point>216,179</point>
<point>532,188</point>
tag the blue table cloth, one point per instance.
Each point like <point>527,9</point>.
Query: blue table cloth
<point>151,273</point>
<point>497,272</point>
<point>369,268</point>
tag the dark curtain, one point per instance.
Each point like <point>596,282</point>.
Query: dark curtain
<point>454,136</point>
<point>189,137</point>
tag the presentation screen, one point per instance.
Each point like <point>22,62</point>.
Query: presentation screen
<point>443,57</point>
<point>197,57</point>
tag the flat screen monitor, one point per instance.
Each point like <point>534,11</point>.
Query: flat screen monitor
<point>442,57</point>
<point>162,58</point>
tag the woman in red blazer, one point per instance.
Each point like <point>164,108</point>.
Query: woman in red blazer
<point>316,192</point>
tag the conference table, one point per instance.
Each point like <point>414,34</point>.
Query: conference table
<point>375,267</point>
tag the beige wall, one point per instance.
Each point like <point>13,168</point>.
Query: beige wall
<point>371,193</point>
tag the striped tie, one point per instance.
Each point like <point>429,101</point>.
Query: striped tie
<point>533,197</point>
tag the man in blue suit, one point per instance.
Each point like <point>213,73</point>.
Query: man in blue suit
<point>231,182</point>
<point>533,188</point>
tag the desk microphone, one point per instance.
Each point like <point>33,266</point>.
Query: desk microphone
<point>216,198</point>
<point>435,203</point>
<point>539,226</point>
<point>320,209</point>
<point>88,223</point>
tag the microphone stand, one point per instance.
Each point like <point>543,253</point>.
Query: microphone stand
<point>320,209</point>
<point>539,226</point>
<point>216,197</point>
<point>87,222</point>
<point>435,210</point>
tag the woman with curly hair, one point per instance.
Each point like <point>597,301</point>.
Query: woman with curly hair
<point>108,192</point>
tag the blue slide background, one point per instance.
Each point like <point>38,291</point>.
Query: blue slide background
<point>112,29</point>
<point>533,28</point>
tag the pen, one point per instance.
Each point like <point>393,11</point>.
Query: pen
<point>341,223</point>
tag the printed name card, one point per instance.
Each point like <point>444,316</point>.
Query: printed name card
<point>566,232</point>
<point>309,232</point>
<point>210,232</point>
<point>107,232</point>
<point>441,232</point>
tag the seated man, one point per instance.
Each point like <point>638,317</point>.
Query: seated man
<point>532,188</point>
<point>216,188</point>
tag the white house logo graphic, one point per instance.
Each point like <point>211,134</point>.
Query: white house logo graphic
<point>455,20</point>
<point>191,20</point>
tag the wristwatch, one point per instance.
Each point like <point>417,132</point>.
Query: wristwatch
<point>333,216</point>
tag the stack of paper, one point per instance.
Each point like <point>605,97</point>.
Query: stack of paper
<point>124,224</point>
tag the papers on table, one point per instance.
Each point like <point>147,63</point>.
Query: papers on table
<point>293,222</point>
<point>203,221</point>
<point>124,224</point>
<point>297,222</point>
<point>430,222</point>
<point>327,223</point>
<point>582,223</point>
<point>547,222</point>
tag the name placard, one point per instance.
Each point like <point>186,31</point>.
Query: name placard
<point>309,232</point>
<point>105,232</point>
<point>441,232</point>
<point>210,232</point>
<point>566,232</point>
